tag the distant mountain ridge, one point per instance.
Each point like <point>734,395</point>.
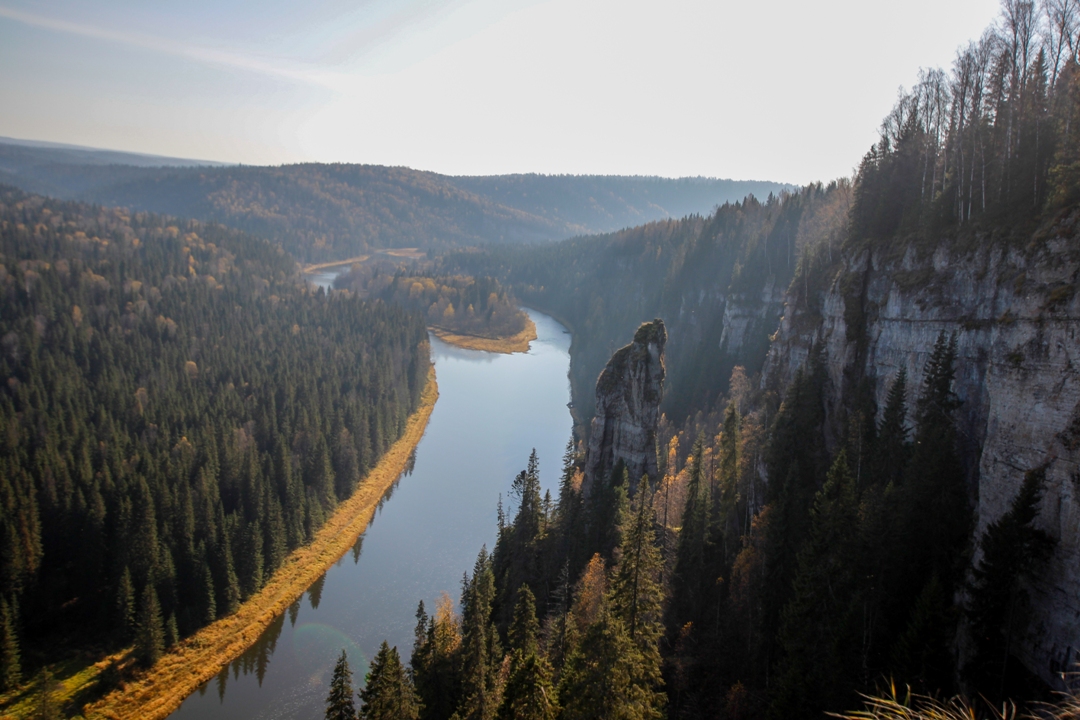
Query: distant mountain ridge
<point>321,212</point>
<point>42,152</point>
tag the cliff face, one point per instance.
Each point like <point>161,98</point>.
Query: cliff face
<point>1015,315</point>
<point>628,395</point>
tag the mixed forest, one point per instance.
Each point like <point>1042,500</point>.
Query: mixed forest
<point>327,212</point>
<point>790,555</point>
<point>457,304</point>
<point>179,412</point>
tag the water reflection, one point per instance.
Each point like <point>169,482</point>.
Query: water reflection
<point>493,409</point>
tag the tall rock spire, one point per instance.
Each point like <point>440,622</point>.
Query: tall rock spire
<point>628,395</point>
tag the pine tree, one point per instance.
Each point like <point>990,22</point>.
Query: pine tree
<point>10,666</point>
<point>388,693</point>
<point>150,632</point>
<point>339,702</point>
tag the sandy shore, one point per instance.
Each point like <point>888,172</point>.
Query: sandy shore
<point>160,690</point>
<point>506,345</point>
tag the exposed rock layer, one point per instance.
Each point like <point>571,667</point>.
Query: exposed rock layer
<point>1015,315</point>
<point>628,395</point>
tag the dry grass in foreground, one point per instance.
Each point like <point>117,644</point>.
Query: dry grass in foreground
<point>505,345</point>
<point>922,707</point>
<point>160,690</point>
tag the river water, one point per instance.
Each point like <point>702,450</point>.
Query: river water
<point>492,410</point>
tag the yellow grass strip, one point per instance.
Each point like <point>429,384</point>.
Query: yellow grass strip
<point>337,263</point>
<point>506,345</point>
<point>198,659</point>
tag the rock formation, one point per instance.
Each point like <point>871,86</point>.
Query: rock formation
<point>1015,312</point>
<point>628,395</point>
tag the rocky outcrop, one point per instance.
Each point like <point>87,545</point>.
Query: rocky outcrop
<point>1015,312</point>
<point>628,395</point>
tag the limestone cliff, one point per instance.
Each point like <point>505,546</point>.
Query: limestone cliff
<point>1015,313</point>
<point>628,395</point>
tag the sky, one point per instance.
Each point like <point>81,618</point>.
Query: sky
<point>789,90</point>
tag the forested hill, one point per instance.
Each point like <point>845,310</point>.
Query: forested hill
<point>718,281</point>
<point>179,411</point>
<point>885,495</point>
<point>332,212</point>
<point>16,154</point>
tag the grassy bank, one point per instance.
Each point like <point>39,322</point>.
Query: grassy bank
<point>506,345</point>
<point>160,690</point>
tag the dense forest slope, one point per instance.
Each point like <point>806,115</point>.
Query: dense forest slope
<point>453,304</point>
<point>332,212</point>
<point>23,154</point>
<point>179,411</point>
<point>1014,313</point>
<point>887,489</point>
<point>717,281</point>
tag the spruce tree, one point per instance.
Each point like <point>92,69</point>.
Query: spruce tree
<point>1013,549</point>
<point>124,609</point>
<point>891,447</point>
<point>226,582</point>
<point>933,514</point>
<point>529,693</point>
<point>339,701</point>
<point>388,693</point>
<point>605,676</point>
<point>817,636</point>
<point>481,652</point>
<point>206,603</point>
<point>150,631</point>
<point>687,591</point>
<point>525,627</point>
<point>636,594</point>
<point>46,706</point>
<point>436,662</point>
<point>923,655</point>
<point>10,665</point>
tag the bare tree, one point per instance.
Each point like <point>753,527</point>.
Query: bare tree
<point>1059,31</point>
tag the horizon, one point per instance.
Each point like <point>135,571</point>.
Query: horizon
<point>791,94</point>
<point>207,162</point>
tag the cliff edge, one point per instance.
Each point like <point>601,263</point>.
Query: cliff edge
<point>1015,313</point>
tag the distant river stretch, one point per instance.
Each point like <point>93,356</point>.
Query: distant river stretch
<point>492,410</point>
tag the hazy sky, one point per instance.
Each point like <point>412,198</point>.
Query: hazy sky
<point>788,90</point>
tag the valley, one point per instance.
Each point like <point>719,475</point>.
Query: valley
<point>698,449</point>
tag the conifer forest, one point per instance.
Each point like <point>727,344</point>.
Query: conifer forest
<point>823,450</point>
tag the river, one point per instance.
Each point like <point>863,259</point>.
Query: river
<point>492,411</point>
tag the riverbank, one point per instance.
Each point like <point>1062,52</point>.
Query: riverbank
<point>506,345</point>
<point>161,690</point>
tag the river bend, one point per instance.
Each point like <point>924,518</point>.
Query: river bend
<point>492,410</point>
